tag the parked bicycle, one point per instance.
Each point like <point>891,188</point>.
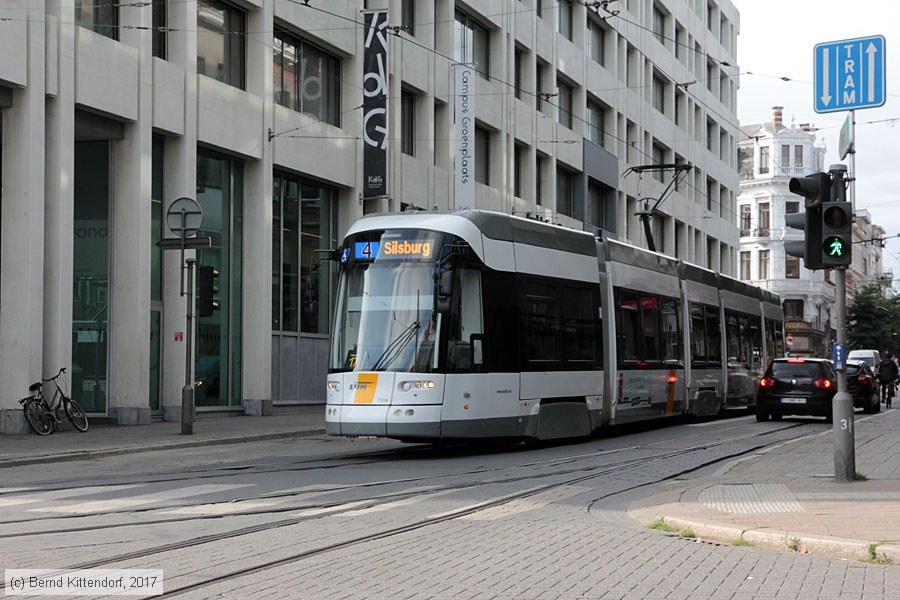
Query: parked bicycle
<point>44,417</point>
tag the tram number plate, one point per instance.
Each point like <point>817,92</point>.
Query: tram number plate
<point>793,400</point>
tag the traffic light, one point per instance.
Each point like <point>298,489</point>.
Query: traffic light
<point>837,229</point>
<point>816,189</point>
<point>207,290</point>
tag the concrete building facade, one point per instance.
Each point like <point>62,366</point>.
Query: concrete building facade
<point>110,112</point>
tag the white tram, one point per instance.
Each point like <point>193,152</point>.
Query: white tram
<point>475,324</point>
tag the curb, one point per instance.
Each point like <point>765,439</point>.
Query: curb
<point>789,542</point>
<point>104,452</point>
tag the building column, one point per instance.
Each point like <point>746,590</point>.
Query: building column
<point>179,180</point>
<point>256,333</point>
<point>129,331</point>
<point>22,252</point>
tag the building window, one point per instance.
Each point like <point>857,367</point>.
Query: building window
<point>793,309</point>
<point>565,192</point>
<point>745,266</point>
<point>408,16</point>
<point>408,123</point>
<point>518,166</point>
<point>307,79</point>
<point>220,184</point>
<point>659,93</point>
<point>540,166</point>
<point>598,204</point>
<point>791,208</point>
<point>564,104</point>
<point>520,69</point>
<point>798,156</point>
<point>596,116</point>
<point>763,264</point>
<point>303,221</point>
<point>221,30</point>
<point>764,159</point>
<point>785,155</point>
<point>160,19</point>
<point>763,221</point>
<point>482,155</point>
<point>679,108</point>
<point>597,42</point>
<point>659,25</point>
<point>100,16</point>
<point>540,76</point>
<point>564,22</point>
<point>791,267</point>
<point>659,158</point>
<point>745,219</point>
<point>470,43</point>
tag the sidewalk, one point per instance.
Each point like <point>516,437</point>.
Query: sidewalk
<point>108,440</point>
<point>786,498</point>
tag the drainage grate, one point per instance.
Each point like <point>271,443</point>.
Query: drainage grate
<point>752,498</point>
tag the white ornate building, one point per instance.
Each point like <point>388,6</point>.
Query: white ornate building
<point>771,154</point>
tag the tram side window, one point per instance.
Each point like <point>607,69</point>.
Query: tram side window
<point>671,338</point>
<point>628,325</point>
<point>542,323</point>
<point>714,336</point>
<point>467,321</point>
<point>755,344</point>
<point>650,327</point>
<point>770,339</point>
<point>579,324</point>
<point>732,338</point>
<point>746,342</point>
<point>698,335</point>
<point>641,328</point>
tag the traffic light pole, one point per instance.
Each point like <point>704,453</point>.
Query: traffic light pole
<point>842,404</point>
<point>187,392</point>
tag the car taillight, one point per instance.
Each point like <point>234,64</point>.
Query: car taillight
<point>822,383</point>
<point>863,380</point>
<point>767,382</point>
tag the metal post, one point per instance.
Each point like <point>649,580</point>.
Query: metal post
<point>187,392</point>
<point>842,404</point>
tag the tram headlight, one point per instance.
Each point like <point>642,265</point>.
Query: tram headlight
<point>333,386</point>
<point>423,384</point>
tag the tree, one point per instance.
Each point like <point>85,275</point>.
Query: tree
<point>873,321</point>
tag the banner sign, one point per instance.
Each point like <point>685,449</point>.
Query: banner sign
<point>464,132</point>
<point>375,131</point>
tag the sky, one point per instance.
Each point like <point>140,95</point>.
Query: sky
<point>776,40</point>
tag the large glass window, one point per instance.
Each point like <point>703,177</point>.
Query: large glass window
<point>303,217</point>
<point>101,16</point>
<point>91,267</point>
<point>306,78</point>
<point>564,21</point>
<point>217,366</point>
<point>565,192</point>
<point>408,123</point>
<point>542,323</point>
<point>471,43</point>
<point>596,115</point>
<point>156,256</point>
<point>597,42</point>
<point>221,31</point>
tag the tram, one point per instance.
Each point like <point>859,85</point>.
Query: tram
<point>475,324</point>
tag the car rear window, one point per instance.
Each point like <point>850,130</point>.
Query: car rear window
<point>853,369</point>
<point>800,369</point>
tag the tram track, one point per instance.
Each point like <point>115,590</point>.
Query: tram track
<point>574,475</point>
<point>545,463</point>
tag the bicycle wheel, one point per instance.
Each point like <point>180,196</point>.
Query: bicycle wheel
<point>39,421</point>
<point>75,415</point>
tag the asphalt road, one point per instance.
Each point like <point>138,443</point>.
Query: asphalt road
<point>332,518</point>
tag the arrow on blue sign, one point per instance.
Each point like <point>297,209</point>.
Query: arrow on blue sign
<point>850,74</point>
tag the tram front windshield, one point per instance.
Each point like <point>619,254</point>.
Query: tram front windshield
<point>386,317</point>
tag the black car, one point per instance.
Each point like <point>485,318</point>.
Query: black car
<point>862,386</point>
<point>796,386</point>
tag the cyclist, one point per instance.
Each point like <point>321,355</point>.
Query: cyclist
<point>887,375</point>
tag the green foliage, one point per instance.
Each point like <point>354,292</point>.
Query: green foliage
<point>687,533</point>
<point>876,558</point>
<point>740,542</point>
<point>661,525</point>
<point>873,321</point>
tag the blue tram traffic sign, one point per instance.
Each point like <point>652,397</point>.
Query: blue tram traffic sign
<point>850,74</point>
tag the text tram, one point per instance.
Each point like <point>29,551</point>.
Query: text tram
<point>476,324</point>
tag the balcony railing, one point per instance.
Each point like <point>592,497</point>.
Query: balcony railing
<point>761,232</point>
